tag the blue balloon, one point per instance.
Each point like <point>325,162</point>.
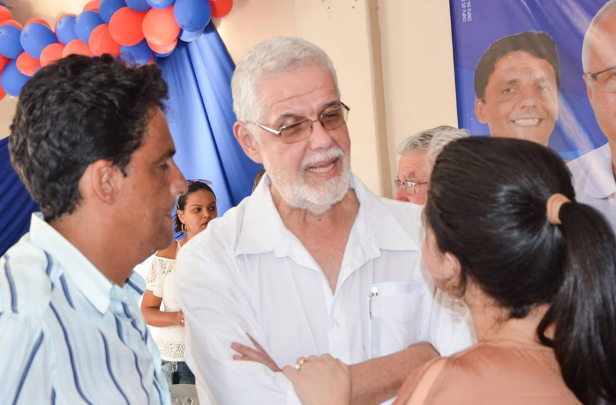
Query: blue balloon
<point>65,29</point>
<point>160,3</point>
<point>12,80</point>
<point>138,5</point>
<point>139,54</point>
<point>85,23</point>
<point>35,37</point>
<point>107,8</point>
<point>189,36</point>
<point>192,15</point>
<point>10,46</point>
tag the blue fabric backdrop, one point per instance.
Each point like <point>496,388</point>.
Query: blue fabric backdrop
<point>16,205</point>
<point>200,116</point>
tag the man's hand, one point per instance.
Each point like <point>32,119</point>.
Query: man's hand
<point>321,381</point>
<point>257,354</point>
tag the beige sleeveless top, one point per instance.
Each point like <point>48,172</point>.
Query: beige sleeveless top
<point>493,372</point>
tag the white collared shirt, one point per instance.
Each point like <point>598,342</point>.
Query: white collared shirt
<point>593,181</point>
<point>248,273</point>
<point>68,334</point>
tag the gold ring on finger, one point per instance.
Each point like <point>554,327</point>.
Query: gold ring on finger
<point>300,363</point>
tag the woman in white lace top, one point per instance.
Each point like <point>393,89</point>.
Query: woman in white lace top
<point>195,209</point>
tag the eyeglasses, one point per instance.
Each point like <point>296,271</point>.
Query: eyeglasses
<point>409,187</point>
<point>606,79</point>
<point>331,118</point>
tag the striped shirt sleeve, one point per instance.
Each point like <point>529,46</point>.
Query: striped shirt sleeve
<point>26,371</point>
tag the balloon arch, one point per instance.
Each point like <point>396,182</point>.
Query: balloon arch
<point>135,30</point>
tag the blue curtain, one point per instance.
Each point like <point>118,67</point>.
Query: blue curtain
<point>200,116</point>
<point>16,205</point>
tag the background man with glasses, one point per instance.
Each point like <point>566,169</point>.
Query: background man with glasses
<point>593,173</point>
<point>418,153</point>
<point>312,262</point>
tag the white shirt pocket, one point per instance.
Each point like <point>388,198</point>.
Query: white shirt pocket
<point>396,310</point>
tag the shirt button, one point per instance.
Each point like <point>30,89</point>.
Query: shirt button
<point>336,325</point>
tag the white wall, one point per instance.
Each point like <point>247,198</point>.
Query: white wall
<point>393,57</point>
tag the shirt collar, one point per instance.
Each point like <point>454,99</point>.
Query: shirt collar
<point>264,231</point>
<point>86,278</point>
<point>600,182</point>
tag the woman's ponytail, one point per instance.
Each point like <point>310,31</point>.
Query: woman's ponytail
<point>584,309</point>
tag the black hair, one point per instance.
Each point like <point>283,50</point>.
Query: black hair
<point>74,112</point>
<point>192,187</point>
<point>538,44</point>
<point>487,206</point>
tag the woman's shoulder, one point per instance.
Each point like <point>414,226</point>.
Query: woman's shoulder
<point>499,370</point>
<point>169,252</point>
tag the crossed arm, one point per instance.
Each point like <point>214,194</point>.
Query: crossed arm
<point>329,381</point>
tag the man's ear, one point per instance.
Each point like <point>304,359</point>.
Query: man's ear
<point>480,111</point>
<point>247,141</point>
<point>102,178</point>
<point>588,88</point>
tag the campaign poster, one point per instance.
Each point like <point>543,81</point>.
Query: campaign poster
<point>477,24</point>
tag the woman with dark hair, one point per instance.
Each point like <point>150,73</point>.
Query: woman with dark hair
<point>195,209</point>
<point>537,270</point>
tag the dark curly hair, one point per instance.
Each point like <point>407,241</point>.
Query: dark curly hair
<point>74,112</point>
<point>487,206</point>
<point>192,187</point>
<point>538,44</point>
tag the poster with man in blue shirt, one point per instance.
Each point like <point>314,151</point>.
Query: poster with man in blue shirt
<point>543,71</point>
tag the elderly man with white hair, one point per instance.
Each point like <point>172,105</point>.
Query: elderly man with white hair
<point>312,262</point>
<point>593,173</point>
<point>418,153</point>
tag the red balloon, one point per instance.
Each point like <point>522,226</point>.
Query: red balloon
<point>3,62</point>
<point>160,27</point>
<point>220,8</point>
<point>37,20</point>
<point>101,41</point>
<point>163,49</point>
<point>5,14</point>
<point>2,93</point>
<point>27,65</point>
<point>125,26</point>
<point>13,23</point>
<point>92,5</point>
<point>51,53</point>
<point>151,61</point>
<point>78,47</point>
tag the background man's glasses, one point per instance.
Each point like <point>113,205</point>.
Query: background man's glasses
<point>409,187</point>
<point>331,118</point>
<point>606,79</point>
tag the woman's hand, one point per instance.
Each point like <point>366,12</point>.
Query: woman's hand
<point>257,354</point>
<point>321,381</point>
<point>180,318</point>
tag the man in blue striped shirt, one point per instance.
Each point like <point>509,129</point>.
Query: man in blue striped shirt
<point>92,145</point>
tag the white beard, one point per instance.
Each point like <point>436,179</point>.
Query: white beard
<point>318,198</point>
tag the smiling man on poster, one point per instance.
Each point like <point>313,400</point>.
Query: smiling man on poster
<point>516,84</point>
